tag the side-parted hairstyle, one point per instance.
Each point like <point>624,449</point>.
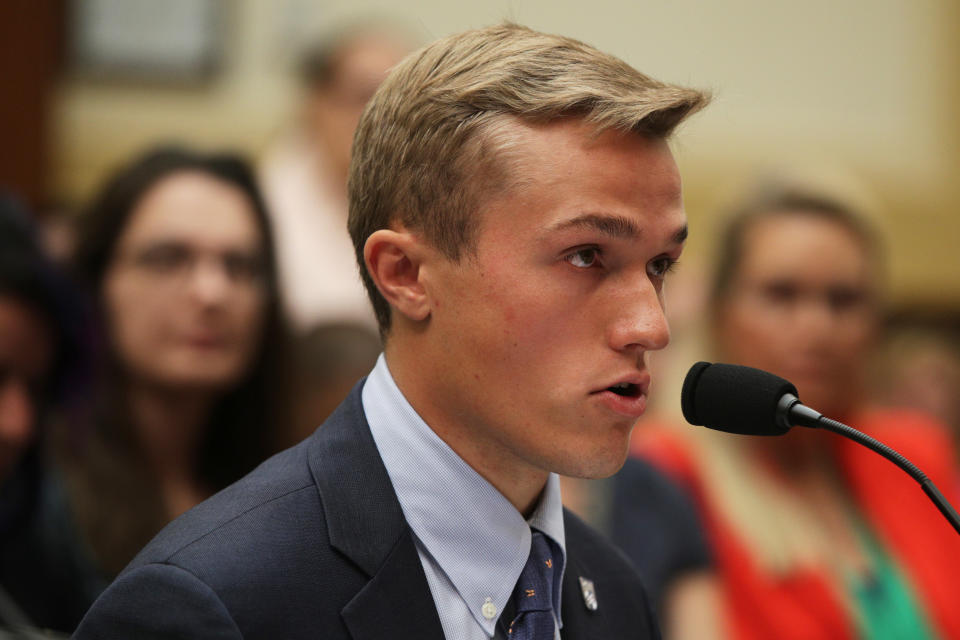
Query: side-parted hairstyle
<point>770,200</point>
<point>426,152</point>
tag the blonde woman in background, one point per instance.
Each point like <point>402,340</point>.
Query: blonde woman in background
<point>812,535</point>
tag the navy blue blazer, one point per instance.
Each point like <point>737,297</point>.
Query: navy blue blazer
<point>313,544</point>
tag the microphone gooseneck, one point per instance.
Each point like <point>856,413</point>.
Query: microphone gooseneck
<point>749,401</point>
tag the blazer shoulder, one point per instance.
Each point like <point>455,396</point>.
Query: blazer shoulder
<point>283,551</point>
<point>158,601</point>
<point>247,504</point>
<point>265,496</point>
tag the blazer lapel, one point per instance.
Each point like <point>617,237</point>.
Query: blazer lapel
<point>366,524</point>
<point>396,603</point>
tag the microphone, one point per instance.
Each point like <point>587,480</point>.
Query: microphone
<point>748,401</point>
<point>743,400</point>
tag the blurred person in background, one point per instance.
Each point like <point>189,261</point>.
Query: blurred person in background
<point>39,363</point>
<point>330,359</point>
<point>177,254</point>
<point>922,367</point>
<point>304,174</point>
<point>814,536</point>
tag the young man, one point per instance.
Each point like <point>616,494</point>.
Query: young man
<point>515,208</point>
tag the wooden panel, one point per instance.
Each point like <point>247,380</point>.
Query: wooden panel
<point>31,39</point>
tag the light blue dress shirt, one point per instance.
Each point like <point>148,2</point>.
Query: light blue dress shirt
<point>472,542</point>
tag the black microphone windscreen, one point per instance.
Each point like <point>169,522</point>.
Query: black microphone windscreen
<point>734,398</point>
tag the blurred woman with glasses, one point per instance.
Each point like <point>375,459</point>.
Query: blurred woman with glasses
<point>178,257</point>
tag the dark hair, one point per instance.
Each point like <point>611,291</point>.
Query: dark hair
<point>246,420</point>
<point>770,201</point>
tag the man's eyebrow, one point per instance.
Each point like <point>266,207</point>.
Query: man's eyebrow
<point>613,226</point>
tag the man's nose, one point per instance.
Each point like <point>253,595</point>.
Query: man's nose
<point>639,319</point>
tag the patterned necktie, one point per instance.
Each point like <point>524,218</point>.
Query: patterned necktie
<point>533,595</point>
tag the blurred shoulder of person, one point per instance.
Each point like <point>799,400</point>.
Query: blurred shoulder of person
<point>330,359</point>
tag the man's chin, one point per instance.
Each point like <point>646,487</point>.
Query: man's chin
<point>596,467</point>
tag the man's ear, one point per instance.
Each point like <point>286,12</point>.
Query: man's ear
<point>393,259</point>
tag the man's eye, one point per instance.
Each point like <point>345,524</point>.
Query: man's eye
<point>661,266</point>
<point>584,258</point>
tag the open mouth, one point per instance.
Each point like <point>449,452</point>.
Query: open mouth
<point>625,389</point>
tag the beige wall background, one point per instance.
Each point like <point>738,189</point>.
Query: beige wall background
<point>862,93</point>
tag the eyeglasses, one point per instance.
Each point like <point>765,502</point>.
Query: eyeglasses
<point>175,261</point>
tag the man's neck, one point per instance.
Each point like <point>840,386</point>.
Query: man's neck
<point>517,481</point>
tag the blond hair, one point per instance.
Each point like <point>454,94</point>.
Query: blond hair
<point>425,150</point>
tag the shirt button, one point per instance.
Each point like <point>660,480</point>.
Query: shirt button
<point>489,610</point>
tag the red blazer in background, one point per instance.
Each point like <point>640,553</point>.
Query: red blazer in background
<point>803,605</point>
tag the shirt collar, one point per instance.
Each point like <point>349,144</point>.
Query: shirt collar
<point>476,536</point>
